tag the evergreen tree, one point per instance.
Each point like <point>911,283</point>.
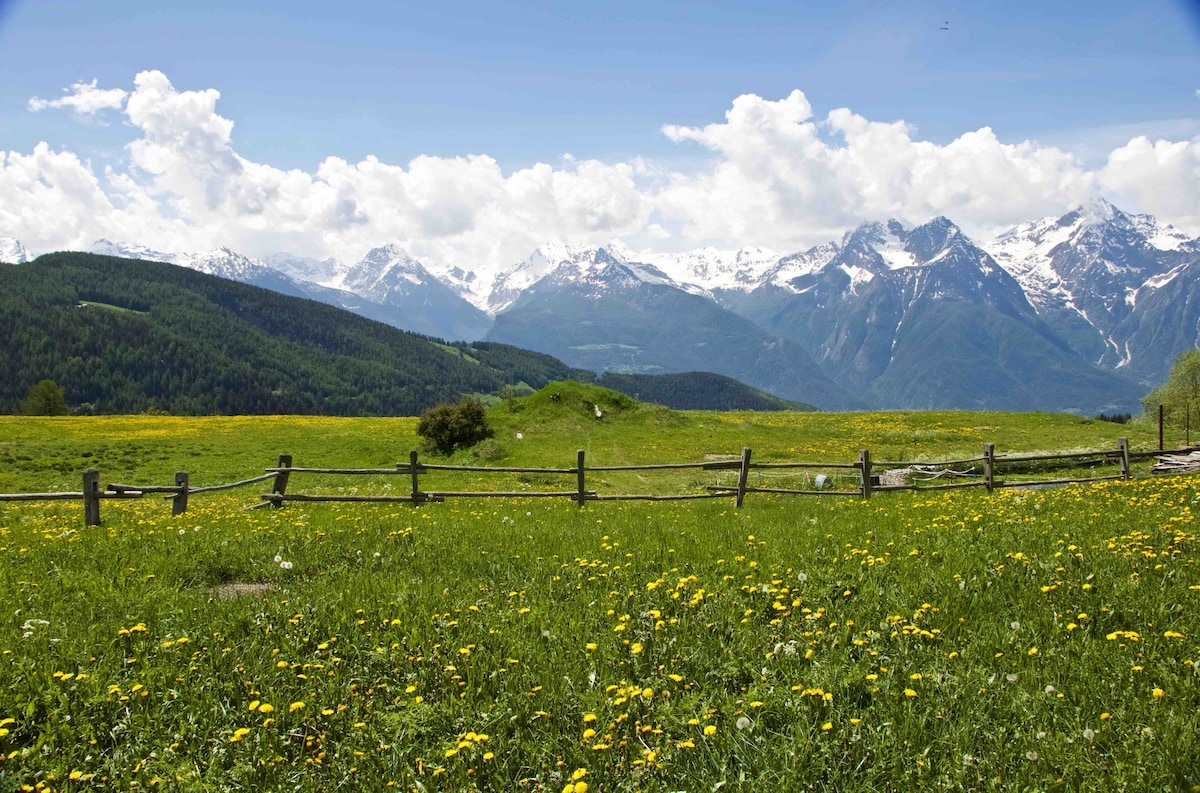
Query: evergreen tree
<point>45,399</point>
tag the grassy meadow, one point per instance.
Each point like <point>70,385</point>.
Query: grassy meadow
<point>1024,640</point>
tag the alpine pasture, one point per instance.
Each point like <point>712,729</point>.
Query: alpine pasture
<point>1020,640</point>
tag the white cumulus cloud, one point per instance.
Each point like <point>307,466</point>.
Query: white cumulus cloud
<point>781,177</point>
<point>774,175</point>
<point>83,98</point>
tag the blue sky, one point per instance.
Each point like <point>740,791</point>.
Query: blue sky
<point>529,82</point>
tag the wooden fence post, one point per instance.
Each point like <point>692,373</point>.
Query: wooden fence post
<point>91,497</point>
<point>281,478</point>
<point>416,487</point>
<point>864,462</point>
<point>743,476</point>
<point>179,503</point>
<point>989,465</point>
<point>1123,445</point>
<point>579,477</point>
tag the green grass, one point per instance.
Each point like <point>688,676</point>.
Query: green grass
<point>766,649</point>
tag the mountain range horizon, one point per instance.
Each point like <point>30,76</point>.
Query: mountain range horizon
<point>891,315</point>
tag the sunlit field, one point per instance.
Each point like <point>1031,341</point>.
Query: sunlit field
<point>1023,640</point>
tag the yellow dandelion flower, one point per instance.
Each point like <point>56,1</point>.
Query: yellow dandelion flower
<point>295,706</point>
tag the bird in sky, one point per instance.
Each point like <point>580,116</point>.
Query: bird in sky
<point>945,26</point>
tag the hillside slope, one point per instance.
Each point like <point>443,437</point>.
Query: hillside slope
<point>124,336</point>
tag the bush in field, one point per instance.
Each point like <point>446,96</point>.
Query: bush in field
<point>448,426</point>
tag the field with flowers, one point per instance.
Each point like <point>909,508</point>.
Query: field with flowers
<point>1026,640</point>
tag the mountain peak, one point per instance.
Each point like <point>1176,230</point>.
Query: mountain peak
<point>12,251</point>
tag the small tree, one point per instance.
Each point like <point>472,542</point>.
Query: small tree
<point>1180,395</point>
<point>45,399</point>
<point>448,426</point>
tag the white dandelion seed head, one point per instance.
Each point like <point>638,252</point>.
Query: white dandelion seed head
<point>1089,734</point>
<point>1049,689</point>
<point>1016,626</point>
<point>1031,755</point>
<point>744,723</point>
<point>278,558</point>
<point>1041,736</point>
<point>286,565</point>
<point>1011,677</point>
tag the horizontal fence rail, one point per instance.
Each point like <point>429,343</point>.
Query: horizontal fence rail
<point>868,477</point>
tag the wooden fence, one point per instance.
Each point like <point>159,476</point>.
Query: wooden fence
<point>981,472</point>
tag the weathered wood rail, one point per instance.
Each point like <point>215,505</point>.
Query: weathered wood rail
<point>982,471</point>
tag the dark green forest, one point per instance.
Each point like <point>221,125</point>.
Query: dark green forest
<point>696,391</point>
<point>124,336</point>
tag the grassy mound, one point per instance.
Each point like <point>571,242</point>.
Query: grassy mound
<point>570,401</point>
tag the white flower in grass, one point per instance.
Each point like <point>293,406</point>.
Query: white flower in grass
<point>743,723</point>
<point>278,558</point>
<point>286,565</point>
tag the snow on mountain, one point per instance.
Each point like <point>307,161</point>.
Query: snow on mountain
<point>788,269</point>
<point>228,264</point>
<point>1087,270</point>
<point>1095,251</point>
<point>1165,237</point>
<point>714,269</point>
<point>129,250</point>
<point>389,276</point>
<point>326,272</point>
<point>12,251</point>
<point>561,262</point>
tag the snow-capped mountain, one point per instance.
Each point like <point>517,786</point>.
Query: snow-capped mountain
<point>389,276</point>
<point>922,317</point>
<point>433,310</point>
<point>1087,271</point>
<point>12,251</point>
<point>559,263</point>
<point>221,262</point>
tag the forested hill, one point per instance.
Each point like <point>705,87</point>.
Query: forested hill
<point>125,336</point>
<point>696,391</point>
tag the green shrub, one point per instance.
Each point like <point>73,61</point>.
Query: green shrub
<point>448,426</point>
